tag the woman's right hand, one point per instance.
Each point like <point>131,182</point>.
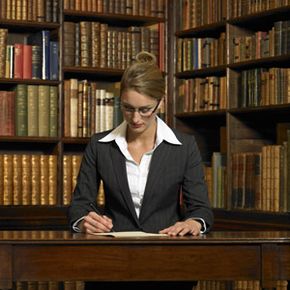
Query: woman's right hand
<point>95,223</point>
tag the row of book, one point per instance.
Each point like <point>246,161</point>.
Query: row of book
<point>152,8</point>
<point>90,107</point>
<point>28,179</point>
<point>260,179</point>
<point>30,10</point>
<point>239,8</point>
<point>48,285</point>
<point>31,179</point>
<point>29,110</point>
<point>33,56</point>
<point>261,44</point>
<point>71,167</point>
<point>237,285</point>
<point>95,44</point>
<point>264,86</point>
<point>198,53</point>
<point>201,285</point>
<point>202,94</point>
<point>194,13</point>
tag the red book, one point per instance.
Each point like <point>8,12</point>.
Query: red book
<point>18,61</point>
<point>27,61</point>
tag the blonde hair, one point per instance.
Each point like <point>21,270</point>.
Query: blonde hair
<point>144,77</point>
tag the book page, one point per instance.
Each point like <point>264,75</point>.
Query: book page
<point>129,234</point>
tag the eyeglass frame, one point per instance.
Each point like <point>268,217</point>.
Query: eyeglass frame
<point>132,110</point>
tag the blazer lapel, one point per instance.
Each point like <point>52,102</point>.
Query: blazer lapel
<point>120,171</point>
<point>158,161</point>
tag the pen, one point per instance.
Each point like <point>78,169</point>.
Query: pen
<point>97,211</point>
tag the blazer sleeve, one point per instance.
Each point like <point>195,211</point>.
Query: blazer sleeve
<point>194,189</point>
<point>88,181</point>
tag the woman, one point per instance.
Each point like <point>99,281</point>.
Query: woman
<point>144,166</point>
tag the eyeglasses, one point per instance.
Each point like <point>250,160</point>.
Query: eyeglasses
<point>143,111</point>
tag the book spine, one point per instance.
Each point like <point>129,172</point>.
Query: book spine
<point>26,179</point>
<point>35,179</point>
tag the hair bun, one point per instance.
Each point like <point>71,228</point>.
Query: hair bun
<point>146,57</point>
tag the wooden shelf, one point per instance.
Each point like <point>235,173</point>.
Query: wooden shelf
<point>262,19</point>
<point>213,29</point>
<point>278,61</point>
<point>33,217</point>
<point>28,82</point>
<point>250,220</point>
<point>202,114</point>
<point>116,19</point>
<point>210,71</point>
<point>19,25</point>
<point>93,72</point>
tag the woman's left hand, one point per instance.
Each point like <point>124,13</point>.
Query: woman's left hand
<point>189,226</point>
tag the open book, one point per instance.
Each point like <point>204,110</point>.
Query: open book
<point>130,234</point>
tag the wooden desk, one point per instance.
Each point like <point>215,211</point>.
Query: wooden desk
<point>59,256</point>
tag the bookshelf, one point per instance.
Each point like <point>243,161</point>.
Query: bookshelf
<point>47,208</point>
<point>223,127</point>
<point>244,119</point>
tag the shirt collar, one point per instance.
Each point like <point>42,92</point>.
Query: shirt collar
<point>164,133</point>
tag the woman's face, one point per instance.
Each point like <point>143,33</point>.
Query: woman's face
<point>138,110</point>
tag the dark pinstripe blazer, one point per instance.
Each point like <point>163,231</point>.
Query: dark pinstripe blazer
<point>173,167</point>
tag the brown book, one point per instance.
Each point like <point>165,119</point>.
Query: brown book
<point>40,11</point>
<point>17,179</point>
<point>69,43</point>
<point>84,85</point>
<point>80,285</point>
<point>67,179</point>
<point>281,132</point>
<point>27,61</point>
<point>95,44</point>
<point>7,113</point>
<point>26,179</point>
<point>69,285</point>
<point>3,53</point>
<point>18,60</point>
<point>35,179</point>
<point>73,107</point>
<point>44,180</point>
<point>80,109</point>
<point>85,43</point>
<point>1,179</point>
<point>76,163</point>
<point>7,179</point>
<point>52,177</point>
<point>67,108</point>
<point>52,285</point>
<point>32,285</point>
<point>20,285</point>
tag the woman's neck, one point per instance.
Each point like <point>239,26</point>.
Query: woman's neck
<point>146,137</point>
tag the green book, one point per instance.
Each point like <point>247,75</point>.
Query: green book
<point>53,98</point>
<point>32,110</point>
<point>43,109</point>
<point>21,110</point>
